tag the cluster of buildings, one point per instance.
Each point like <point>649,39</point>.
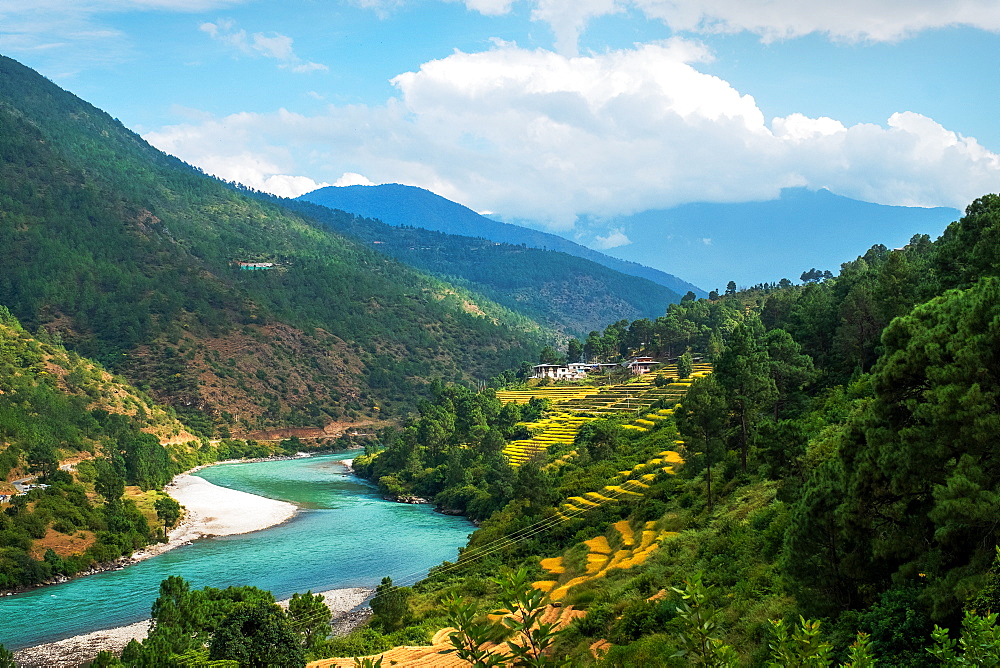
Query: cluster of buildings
<point>22,487</point>
<point>580,370</point>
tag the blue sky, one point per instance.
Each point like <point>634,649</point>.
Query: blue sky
<point>546,109</point>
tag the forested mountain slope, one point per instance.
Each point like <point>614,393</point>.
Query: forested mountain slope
<point>562,291</point>
<point>83,455</point>
<point>839,463</point>
<point>130,256</point>
<point>56,407</point>
<point>400,205</point>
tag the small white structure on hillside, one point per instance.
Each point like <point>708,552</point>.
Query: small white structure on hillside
<point>574,371</point>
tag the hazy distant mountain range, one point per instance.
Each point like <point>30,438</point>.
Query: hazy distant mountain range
<point>400,205</point>
<point>563,292</point>
<point>707,244</point>
<point>753,242</point>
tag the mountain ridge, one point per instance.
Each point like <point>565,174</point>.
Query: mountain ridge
<point>567,293</point>
<point>402,205</point>
<point>130,256</point>
<point>761,242</point>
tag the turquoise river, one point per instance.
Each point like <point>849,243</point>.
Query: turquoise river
<point>345,535</point>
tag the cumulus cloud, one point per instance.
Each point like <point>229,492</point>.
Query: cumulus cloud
<point>274,45</point>
<point>352,179</point>
<point>613,239</point>
<point>536,135</point>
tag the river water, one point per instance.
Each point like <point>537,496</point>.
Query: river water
<point>345,535</point>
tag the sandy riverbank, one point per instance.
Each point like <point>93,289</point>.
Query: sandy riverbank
<point>211,510</point>
<point>83,648</point>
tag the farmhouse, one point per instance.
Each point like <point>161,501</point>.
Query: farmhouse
<point>640,365</point>
<point>574,371</point>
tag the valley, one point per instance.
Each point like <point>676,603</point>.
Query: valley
<point>509,450</point>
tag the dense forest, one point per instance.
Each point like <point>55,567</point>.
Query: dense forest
<point>567,293</point>
<point>89,445</point>
<point>132,258</point>
<point>837,499</point>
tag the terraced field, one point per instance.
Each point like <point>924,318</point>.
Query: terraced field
<point>556,429</point>
<point>579,404</point>
<point>627,548</point>
<point>554,393</point>
<point>625,485</point>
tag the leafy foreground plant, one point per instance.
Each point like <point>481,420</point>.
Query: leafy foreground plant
<point>796,646</point>
<point>522,608</point>
<point>979,644</point>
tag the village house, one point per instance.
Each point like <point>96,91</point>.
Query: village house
<point>575,371</point>
<point>640,365</point>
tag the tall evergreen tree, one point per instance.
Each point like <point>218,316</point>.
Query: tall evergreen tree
<point>744,374</point>
<point>702,419</point>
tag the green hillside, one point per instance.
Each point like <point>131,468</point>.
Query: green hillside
<point>58,407</point>
<point>83,455</point>
<point>824,497</point>
<point>408,206</point>
<point>130,256</point>
<point>567,293</point>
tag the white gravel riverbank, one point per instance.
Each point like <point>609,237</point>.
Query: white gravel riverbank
<point>83,648</point>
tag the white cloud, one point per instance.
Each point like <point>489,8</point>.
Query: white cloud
<point>490,7</point>
<point>568,19</point>
<point>536,135</point>
<point>852,20</point>
<point>232,154</point>
<point>284,185</point>
<point>797,127</point>
<point>913,161</point>
<point>273,45</point>
<point>877,20</point>
<point>352,179</point>
<point>614,239</point>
